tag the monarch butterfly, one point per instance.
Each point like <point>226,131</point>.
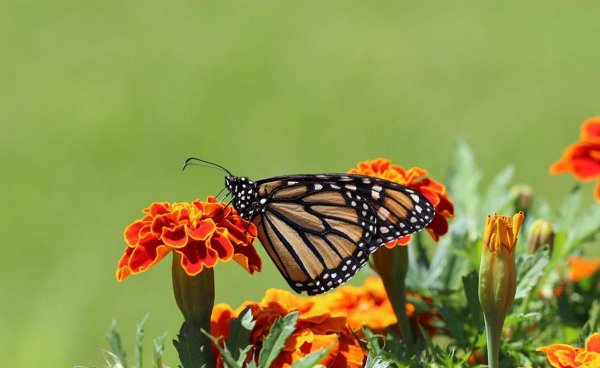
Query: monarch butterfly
<point>320,229</point>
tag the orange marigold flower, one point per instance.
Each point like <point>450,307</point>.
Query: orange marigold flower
<point>580,268</point>
<point>582,159</point>
<point>369,306</point>
<point>317,328</point>
<point>414,178</point>
<point>201,232</point>
<point>567,356</point>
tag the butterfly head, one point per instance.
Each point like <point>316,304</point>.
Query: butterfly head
<point>243,193</point>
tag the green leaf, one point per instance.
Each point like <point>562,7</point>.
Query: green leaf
<point>139,338</point>
<point>471,288</point>
<point>273,343</point>
<point>497,194</point>
<point>225,353</point>
<point>239,334</point>
<point>463,181</point>
<point>189,346</point>
<point>454,323</point>
<point>569,209</point>
<point>588,224</point>
<point>312,359</point>
<point>530,268</point>
<point>592,325</point>
<point>375,361</point>
<point>159,351</point>
<point>515,318</point>
<point>116,347</point>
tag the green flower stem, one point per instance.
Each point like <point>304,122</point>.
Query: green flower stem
<point>392,266</point>
<point>493,334</point>
<point>195,297</point>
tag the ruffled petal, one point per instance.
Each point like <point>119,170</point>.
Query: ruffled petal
<point>203,230</point>
<point>175,237</point>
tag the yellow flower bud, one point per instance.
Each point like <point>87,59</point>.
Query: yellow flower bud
<point>498,277</point>
<point>540,233</point>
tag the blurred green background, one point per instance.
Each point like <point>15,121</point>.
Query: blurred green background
<point>101,101</point>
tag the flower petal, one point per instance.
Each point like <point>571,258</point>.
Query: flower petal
<point>175,237</point>
<point>593,343</point>
<point>132,232</point>
<point>560,355</point>
<point>590,130</point>
<point>203,230</point>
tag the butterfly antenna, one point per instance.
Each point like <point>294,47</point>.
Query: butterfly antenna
<point>220,191</point>
<point>192,162</point>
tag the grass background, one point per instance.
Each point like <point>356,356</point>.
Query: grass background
<point>101,101</point>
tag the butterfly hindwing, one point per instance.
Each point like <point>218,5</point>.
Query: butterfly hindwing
<point>400,210</point>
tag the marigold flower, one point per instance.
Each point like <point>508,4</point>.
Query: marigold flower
<point>317,328</point>
<point>414,178</point>
<point>580,268</point>
<point>498,277</point>
<point>567,356</point>
<point>369,306</point>
<point>582,159</point>
<point>202,233</point>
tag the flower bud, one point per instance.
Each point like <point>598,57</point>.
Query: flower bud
<point>498,277</point>
<point>523,195</point>
<point>540,233</point>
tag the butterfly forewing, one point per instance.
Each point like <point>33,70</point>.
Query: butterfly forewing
<point>320,229</point>
<point>317,235</point>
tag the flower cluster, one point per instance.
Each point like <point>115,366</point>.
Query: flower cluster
<point>582,159</point>
<point>317,328</point>
<point>333,319</point>
<point>416,179</point>
<point>567,356</point>
<point>201,232</point>
<point>370,306</point>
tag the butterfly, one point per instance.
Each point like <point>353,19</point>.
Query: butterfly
<point>319,229</point>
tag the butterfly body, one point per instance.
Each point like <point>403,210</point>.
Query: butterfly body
<point>319,230</point>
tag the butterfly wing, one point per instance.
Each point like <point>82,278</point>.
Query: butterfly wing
<point>319,230</point>
<point>400,210</point>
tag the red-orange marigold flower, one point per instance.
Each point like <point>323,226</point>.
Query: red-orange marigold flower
<point>567,356</point>
<point>202,232</point>
<point>580,268</point>
<point>317,328</point>
<point>414,178</point>
<point>582,159</point>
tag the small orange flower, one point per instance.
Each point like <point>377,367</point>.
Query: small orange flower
<point>317,328</point>
<point>414,178</point>
<point>201,232</point>
<point>580,268</point>
<point>567,356</point>
<point>582,159</point>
